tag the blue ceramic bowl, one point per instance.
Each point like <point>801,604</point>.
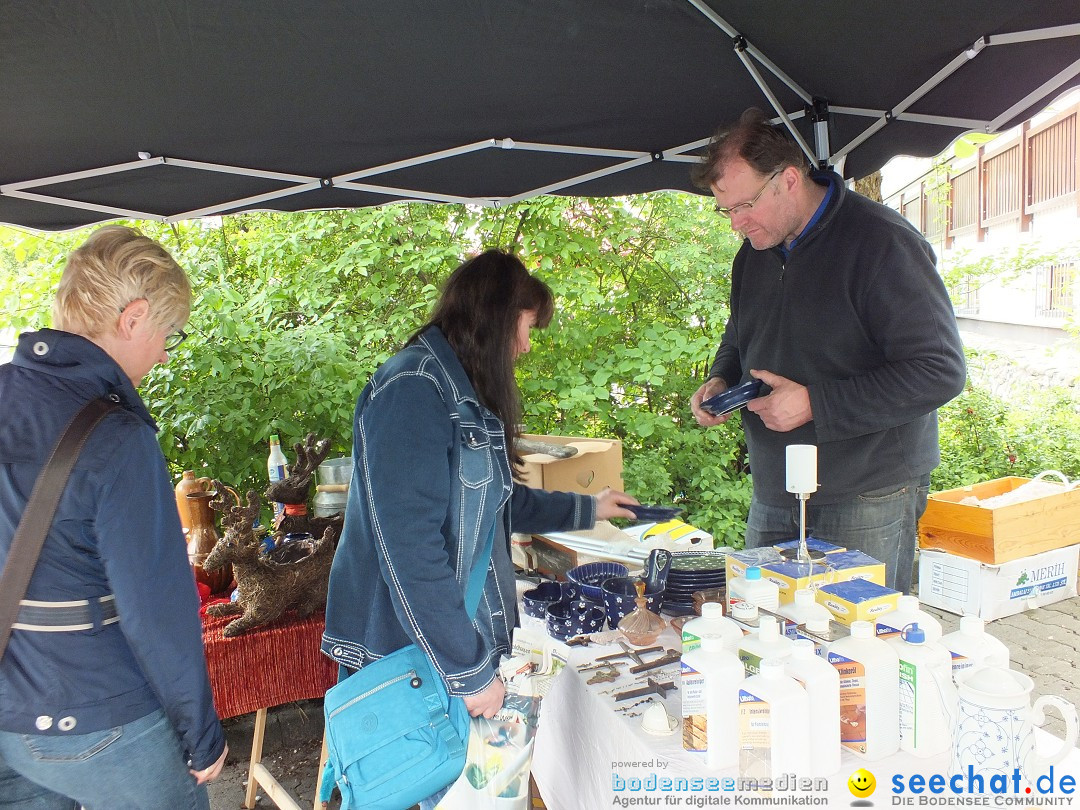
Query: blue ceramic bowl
<point>568,619</point>
<point>619,598</point>
<point>535,602</point>
<point>590,577</point>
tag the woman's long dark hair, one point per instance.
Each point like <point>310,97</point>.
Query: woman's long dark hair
<point>478,313</point>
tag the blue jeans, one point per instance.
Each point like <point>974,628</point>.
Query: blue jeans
<point>882,522</point>
<point>136,766</point>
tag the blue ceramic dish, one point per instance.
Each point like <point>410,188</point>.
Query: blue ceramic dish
<point>535,602</point>
<point>732,399</point>
<point>620,594</point>
<point>590,577</point>
<point>568,619</point>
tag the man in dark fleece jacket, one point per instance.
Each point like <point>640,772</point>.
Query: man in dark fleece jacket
<point>836,306</point>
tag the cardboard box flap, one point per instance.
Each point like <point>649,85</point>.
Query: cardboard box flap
<point>582,446</point>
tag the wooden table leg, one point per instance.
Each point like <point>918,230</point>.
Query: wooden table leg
<point>256,758</point>
<point>318,780</point>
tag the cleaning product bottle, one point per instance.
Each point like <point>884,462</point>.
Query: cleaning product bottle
<point>822,684</point>
<point>767,642</point>
<point>750,587</point>
<point>746,616</point>
<point>822,632</point>
<point>710,678</point>
<point>277,469</point>
<point>972,646</point>
<point>927,695</point>
<point>908,612</point>
<point>869,670</point>
<point>712,620</point>
<point>802,609</point>
<point>774,724</point>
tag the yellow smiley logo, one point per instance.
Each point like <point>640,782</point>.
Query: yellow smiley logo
<point>861,783</point>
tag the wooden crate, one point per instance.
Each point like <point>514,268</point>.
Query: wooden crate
<point>1002,534</point>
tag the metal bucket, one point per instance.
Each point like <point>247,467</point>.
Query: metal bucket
<point>335,471</point>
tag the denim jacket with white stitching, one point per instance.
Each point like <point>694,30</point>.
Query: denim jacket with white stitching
<point>431,480</point>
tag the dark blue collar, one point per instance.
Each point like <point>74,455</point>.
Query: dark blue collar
<point>785,249</point>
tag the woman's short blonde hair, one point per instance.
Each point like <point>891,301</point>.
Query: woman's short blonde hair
<point>115,266</point>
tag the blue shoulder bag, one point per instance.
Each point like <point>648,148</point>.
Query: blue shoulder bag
<point>394,735</point>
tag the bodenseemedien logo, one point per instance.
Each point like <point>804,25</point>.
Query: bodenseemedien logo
<point>651,789</point>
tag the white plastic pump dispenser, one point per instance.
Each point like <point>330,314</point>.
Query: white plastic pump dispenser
<point>908,612</point>
<point>971,646</point>
<point>752,588</point>
<point>804,608</point>
<point>767,642</point>
<point>774,725</point>
<point>711,676</point>
<point>927,693</point>
<point>869,670</point>
<point>712,621</point>
<point>822,684</point>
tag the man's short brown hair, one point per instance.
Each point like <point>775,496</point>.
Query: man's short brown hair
<point>766,148</point>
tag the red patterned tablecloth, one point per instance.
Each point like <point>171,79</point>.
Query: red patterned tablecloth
<point>267,666</point>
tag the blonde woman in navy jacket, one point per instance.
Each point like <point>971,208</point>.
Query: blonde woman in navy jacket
<point>104,696</point>
<point>433,433</point>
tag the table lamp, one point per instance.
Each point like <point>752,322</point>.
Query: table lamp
<point>802,481</point>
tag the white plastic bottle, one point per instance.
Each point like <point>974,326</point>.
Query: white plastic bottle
<point>767,642</point>
<point>750,587</point>
<point>711,676</point>
<point>714,622</point>
<point>804,608</point>
<point>869,670</point>
<point>774,724</point>
<point>927,694</point>
<point>277,469</point>
<point>746,616</point>
<point>972,646</point>
<point>818,630</point>
<point>908,612</point>
<point>822,684</point>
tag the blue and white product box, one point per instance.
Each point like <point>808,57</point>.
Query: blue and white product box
<point>848,565</point>
<point>812,544</point>
<point>969,587</point>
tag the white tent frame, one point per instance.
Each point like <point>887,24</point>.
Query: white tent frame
<point>821,153</point>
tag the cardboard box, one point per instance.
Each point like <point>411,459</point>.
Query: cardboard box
<point>969,587</point>
<point>791,576</point>
<point>555,553</point>
<point>812,544</point>
<point>736,562</point>
<point>853,564</point>
<point>598,464</point>
<point>1002,534</point>
<point>857,600</point>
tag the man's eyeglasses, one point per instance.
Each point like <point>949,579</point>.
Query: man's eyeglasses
<point>175,339</point>
<point>746,206</point>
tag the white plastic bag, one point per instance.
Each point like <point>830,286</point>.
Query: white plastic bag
<point>496,775</point>
<point>1030,490</point>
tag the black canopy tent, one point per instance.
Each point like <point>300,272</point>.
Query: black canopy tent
<point>152,109</point>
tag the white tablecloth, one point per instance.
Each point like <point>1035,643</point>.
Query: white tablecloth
<point>583,747</point>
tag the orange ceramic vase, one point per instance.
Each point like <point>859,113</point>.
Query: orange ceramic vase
<point>188,484</point>
<point>202,537</point>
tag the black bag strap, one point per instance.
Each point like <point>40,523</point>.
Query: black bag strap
<point>40,509</point>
